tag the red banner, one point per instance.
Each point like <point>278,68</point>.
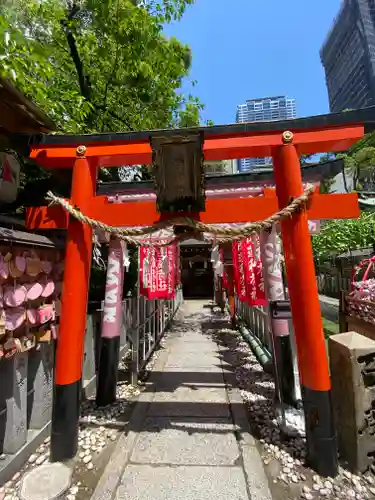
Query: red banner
<point>177,265</point>
<point>248,273</point>
<point>157,272</point>
<point>239,269</point>
<point>172,271</point>
<point>225,277</point>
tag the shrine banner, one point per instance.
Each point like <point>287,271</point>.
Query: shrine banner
<point>239,270</point>
<point>224,275</point>
<point>144,270</point>
<point>259,279</point>
<point>157,272</point>
<point>172,270</point>
<point>177,266</point>
<point>255,294</point>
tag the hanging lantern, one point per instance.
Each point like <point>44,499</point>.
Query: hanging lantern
<point>9,178</point>
<point>178,172</point>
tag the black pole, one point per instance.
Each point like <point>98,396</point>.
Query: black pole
<point>111,325</point>
<point>108,371</point>
<point>65,421</point>
<point>284,360</point>
<point>320,432</point>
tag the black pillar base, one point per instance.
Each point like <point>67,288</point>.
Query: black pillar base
<point>320,432</point>
<point>284,360</point>
<point>65,421</point>
<point>108,370</point>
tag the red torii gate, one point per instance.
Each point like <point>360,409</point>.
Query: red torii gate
<point>284,141</point>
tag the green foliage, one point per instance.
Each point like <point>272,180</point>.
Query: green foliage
<point>99,65</point>
<point>337,236</point>
<point>95,66</point>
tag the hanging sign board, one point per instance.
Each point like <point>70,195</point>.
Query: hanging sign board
<point>9,178</point>
<point>280,309</point>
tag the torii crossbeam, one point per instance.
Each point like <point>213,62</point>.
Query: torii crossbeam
<point>284,141</point>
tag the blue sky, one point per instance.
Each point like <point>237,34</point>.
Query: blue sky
<point>244,49</point>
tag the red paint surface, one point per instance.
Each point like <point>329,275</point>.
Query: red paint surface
<point>307,321</point>
<point>238,210</point>
<point>69,353</point>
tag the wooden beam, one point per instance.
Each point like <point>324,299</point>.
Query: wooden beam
<point>215,148</point>
<point>239,210</point>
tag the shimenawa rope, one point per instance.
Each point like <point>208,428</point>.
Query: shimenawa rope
<point>220,234</point>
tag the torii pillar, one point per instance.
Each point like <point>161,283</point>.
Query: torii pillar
<point>307,321</point>
<point>69,355</point>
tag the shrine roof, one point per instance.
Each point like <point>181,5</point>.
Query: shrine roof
<point>20,114</point>
<point>365,117</point>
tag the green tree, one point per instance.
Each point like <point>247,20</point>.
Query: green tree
<point>96,66</point>
<point>99,65</point>
<point>360,163</point>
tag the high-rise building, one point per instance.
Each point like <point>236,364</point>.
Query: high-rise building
<point>348,56</point>
<point>264,109</point>
<point>222,167</point>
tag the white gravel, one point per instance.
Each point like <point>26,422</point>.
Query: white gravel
<point>257,390</point>
<point>92,440</point>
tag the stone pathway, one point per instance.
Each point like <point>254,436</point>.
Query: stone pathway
<point>189,436</point>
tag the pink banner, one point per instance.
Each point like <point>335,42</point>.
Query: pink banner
<point>144,270</point>
<point>225,276</point>
<point>271,260</point>
<point>258,271</point>
<point>172,266</point>
<point>111,322</point>
<point>177,265</point>
<point>158,272</point>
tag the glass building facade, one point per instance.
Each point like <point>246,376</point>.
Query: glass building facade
<point>259,110</point>
<point>348,56</point>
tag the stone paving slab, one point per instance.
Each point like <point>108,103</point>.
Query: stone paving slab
<point>216,368</point>
<point>172,441</point>
<point>189,402</point>
<point>171,380</point>
<point>192,336</point>
<point>142,482</point>
<point>190,437</point>
<point>192,346</point>
<point>196,359</point>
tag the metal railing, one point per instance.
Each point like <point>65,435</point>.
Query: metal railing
<point>145,322</point>
<point>257,320</point>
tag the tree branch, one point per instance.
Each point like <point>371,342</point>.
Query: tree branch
<point>110,76</point>
<point>83,80</point>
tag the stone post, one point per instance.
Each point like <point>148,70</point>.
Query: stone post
<point>40,386</point>
<point>352,363</point>
<point>13,403</point>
